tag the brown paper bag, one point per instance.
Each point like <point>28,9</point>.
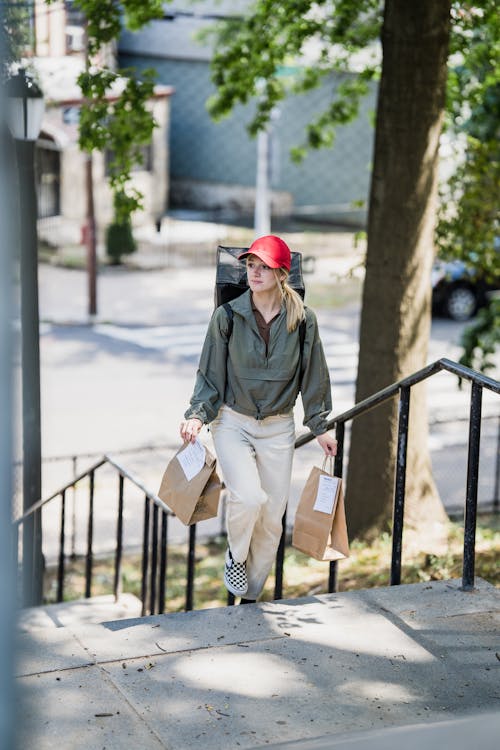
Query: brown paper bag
<point>194,500</point>
<point>320,534</point>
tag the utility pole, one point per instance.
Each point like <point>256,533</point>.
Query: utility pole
<point>90,238</point>
<point>262,216</point>
<point>90,222</point>
<point>264,175</point>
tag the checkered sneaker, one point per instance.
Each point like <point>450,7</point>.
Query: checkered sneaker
<point>235,575</point>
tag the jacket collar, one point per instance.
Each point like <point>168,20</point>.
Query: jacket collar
<point>243,305</point>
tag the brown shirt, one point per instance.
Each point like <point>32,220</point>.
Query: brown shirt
<point>264,328</point>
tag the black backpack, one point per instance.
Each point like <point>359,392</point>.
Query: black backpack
<point>231,274</point>
<point>231,281</point>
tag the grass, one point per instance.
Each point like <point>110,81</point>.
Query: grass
<point>367,567</point>
<point>333,295</point>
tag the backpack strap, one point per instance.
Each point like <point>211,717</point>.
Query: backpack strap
<point>302,338</point>
<point>229,312</point>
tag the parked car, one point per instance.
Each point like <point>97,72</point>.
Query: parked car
<point>459,290</point>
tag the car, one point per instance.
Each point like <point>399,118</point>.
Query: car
<point>459,290</point>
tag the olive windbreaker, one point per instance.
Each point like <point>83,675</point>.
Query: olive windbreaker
<point>240,374</point>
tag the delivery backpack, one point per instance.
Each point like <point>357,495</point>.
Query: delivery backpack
<point>231,281</point>
<point>231,274</point>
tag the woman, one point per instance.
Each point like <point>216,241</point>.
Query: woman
<point>250,373</point>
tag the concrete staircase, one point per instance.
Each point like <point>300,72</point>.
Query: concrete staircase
<point>319,672</point>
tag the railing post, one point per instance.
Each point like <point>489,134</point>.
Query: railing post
<point>338,465</point>
<point>496,491</point>
<point>60,568</point>
<point>119,541</point>
<point>338,468</point>
<point>90,539</point>
<point>280,556</point>
<point>399,494</point>
<point>162,586</point>
<point>154,561</point>
<point>190,567</point>
<point>145,556</point>
<point>472,479</point>
<point>74,463</point>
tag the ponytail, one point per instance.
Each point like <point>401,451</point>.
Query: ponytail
<point>295,311</point>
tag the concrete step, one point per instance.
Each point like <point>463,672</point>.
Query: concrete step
<point>96,609</point>
<point>479,731</point>
<point>246,677</point>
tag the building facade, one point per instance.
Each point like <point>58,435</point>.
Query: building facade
<point>61,165</point>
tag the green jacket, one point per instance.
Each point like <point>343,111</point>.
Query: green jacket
<point>240,374</point>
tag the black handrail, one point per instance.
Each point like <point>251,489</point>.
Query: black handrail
<point>155,547</point>
<point>40,504</point>
<point>392,390</point>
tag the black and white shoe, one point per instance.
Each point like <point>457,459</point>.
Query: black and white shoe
<point>235,575</point>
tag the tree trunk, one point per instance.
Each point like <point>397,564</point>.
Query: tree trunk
<point>396,312</point>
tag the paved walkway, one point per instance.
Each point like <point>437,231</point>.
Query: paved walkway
<point>268,674</point>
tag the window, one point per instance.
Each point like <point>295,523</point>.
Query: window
<point>147,160</point>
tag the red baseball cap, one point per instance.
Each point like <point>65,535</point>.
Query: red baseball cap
<point>272,250</point>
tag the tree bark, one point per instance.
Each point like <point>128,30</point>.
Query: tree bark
<point>396,311</point>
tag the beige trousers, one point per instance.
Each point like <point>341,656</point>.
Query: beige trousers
<point>255,457</point>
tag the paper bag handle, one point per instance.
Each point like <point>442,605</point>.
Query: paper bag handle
<point>328,462</point>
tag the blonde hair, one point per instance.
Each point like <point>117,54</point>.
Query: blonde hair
<point>295,310</point>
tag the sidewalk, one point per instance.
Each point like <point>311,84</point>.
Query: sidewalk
<point>265,674</point>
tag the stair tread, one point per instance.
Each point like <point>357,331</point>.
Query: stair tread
<point>95,609</point>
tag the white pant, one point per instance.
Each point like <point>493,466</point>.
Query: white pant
<point>255,457</point>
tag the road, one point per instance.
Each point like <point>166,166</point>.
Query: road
<point>123,382</point>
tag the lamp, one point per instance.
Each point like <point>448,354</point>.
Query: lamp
<point>26,106</point>
<point>24,117</point>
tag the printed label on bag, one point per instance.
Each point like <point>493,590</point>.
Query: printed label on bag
<point>192,459</point>
<point>327,492</point>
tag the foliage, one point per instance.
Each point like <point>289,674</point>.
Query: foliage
<point>105,17</point>
<point>15,32</point>
<point>256,57</point>
<point>469,221</point>
<point>474,62</point>
<point>480,339</point>
<point>121,125</point>
<point>116,120</point>
<point>119,241</point>
<point>290,47</point>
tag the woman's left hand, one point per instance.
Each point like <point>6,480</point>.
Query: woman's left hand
<point>328,443</point>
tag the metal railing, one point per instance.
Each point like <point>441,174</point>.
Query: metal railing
<point>403,389</point>
<point>156,513</point>
<point>154,546</point>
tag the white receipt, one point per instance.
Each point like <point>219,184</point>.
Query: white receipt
<point>192,459</point>
<point>327,492</point>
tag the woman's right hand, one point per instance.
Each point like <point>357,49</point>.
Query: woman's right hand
<point>190,429</point>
